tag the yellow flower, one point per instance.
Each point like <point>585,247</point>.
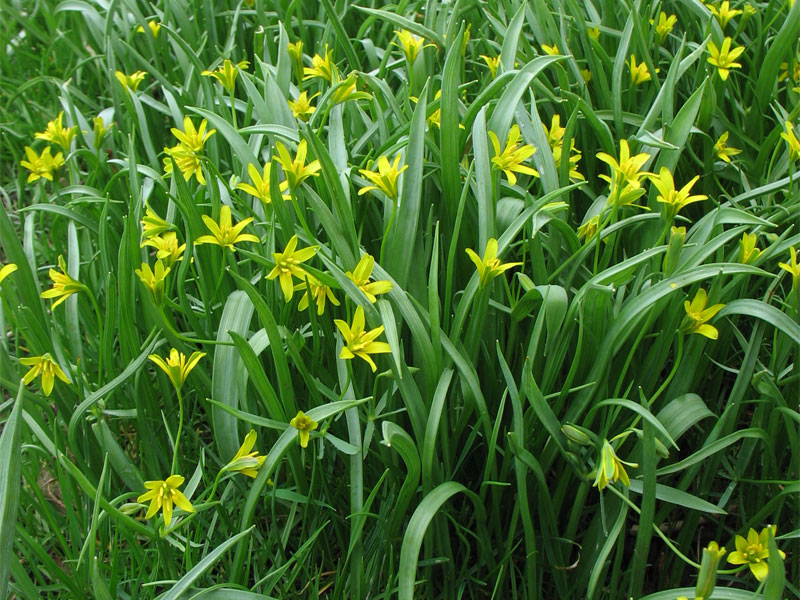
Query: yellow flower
<point>587,75</point>
<point>723,151</point>
<point>287,265</point>
<point>301,108</point>
<point>358,342</point>
<point>304,425</point>
<point>551,50</point>
<point>594,32</point>
<point>162,495</point>
<point>723,58</point>
<point>295,169</point>
<point>385,179</point>
<point>154,279</point>
<point>627,196</point>
<point>674,200</point>
<point>187,152</point>
<point>56,133</point>
<point>611,468</point>
<point>154,26</point>
<point>555,134</point>
<point>555,139</point>
<point>261,183</point>
<point>754,551</point>
<point>100,131</point>
<point>465,40</point>
<point>748,252</point>
<point>360,277</point>
<point>176,366</point>
<point>226,234</point>
<point>152,224</point>
<point>316,290</point>
<point>626,172</point>
<point>45,366</point>
<point>489,266</point>
<point>321,67</point>
<point>697,316</point>
<point>511,158</point>
<point>589,228</point>
<point>792,267</point>
<point>791,141</point>
<point>347,90</point>
<point>785,73</point>
<point>436,116</point>
<point>492,63</point>
<point>295,50</point>
<point>41,165</point>
<point>639,73</point>
<point>130,82</point>
<point>63,285</point>
<point>168,248</point>
<point>411,44</point>
<point>7,270</point>
<point>227,73</point>
<point>188,163</point>
<point>664,25</point>
<point>724,13</point>
<point>245,461</point>
<point>190,138</point>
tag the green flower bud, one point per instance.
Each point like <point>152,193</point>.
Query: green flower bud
<point>575,434</point>
<point>676,239</point>
<point>707,578</point>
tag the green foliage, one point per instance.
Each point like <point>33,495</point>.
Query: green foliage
<point>605,384</point>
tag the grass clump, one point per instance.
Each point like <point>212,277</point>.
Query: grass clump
<point>434,300</point>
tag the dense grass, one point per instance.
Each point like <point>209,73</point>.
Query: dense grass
<point>466,464</point>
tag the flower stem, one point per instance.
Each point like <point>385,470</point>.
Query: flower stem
<point>178,436</point>
<point>389,226</point>
<point>233,111</point>
<point>674,370</point>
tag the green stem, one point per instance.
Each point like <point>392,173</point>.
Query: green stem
<point>389,226</point>
<point>672,373</point>
<point>233,111</point>
<point>178,436</point>
<point>300,216</point>
<point>221,274</point>
<point>603,224</point>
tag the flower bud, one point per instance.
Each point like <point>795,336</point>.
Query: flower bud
<point>576,434</point>
<point>676,239</point>
<point>707,578</point>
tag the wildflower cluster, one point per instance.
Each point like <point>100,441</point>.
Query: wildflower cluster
<point>355,267</point>
<point>189,150</point>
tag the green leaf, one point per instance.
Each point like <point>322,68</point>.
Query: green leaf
<point>184,583</point>
<point>679,497</point>
<point>415,532</point>
<point>766,312</point>
<point>404,23</point>
<point>712,449</point>
<point>104,391</point>
<point>402,238</point>
<point>682,413</point>
<point>225,380</point>
<point>10,486</point>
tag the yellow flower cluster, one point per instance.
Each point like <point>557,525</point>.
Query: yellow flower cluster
<point>188,151</point>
